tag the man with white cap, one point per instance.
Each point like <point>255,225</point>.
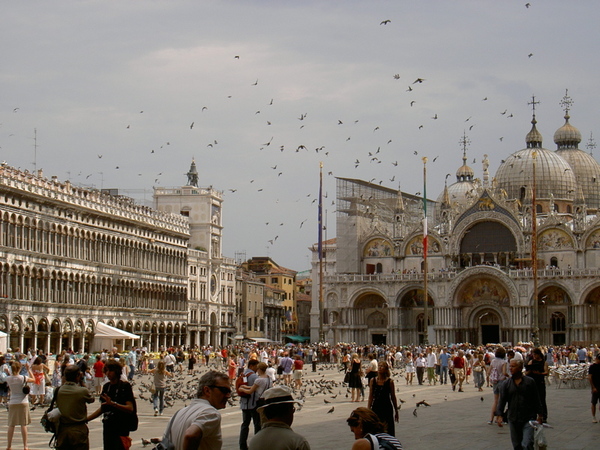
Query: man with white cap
<point>277,415</point>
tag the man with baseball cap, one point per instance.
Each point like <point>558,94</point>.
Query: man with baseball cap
<point>277,415</point>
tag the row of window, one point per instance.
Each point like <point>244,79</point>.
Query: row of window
<point>22,286</point>
<point>48,239</point>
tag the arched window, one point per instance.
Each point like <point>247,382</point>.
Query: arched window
<point>379,268</point>
<point>554,261</point>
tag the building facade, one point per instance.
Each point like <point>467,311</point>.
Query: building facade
<point>73,257</point>
<point>494,245</point>
<point>212,277</point>
<point>277,277</point>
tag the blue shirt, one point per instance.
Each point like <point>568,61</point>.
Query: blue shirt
<point>444,357</point>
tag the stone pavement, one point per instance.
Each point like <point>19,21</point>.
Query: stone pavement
<point>455,420</point>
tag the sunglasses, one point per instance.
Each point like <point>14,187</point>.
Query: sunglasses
<point>224,390</point>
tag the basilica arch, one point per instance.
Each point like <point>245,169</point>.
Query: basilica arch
<point>412,314</point>
<point>554,307</point>
<point>368,317</point>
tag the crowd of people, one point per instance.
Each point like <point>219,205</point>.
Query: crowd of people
<point>268,380</point>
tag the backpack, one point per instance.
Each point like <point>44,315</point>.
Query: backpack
<point>51,418</point>
<point>242,380</point>
<point>381,441</point>
<point>494,375</point>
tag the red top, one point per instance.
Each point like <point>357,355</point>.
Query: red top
<point>298,364</point>
<point>99,369</point>
<point>459,362</point>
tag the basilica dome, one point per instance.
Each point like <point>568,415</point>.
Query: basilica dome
<point>585,168</point>
<point>465,186</point>
<point>554,176</point>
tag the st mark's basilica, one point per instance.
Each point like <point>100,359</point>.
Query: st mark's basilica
<point>480,270</point>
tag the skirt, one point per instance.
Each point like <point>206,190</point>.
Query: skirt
<point>18,415</point>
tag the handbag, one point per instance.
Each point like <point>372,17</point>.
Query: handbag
<point>152,389</point>
<point>26,388</point>
<point>166,443</point>
<point>347,378</point>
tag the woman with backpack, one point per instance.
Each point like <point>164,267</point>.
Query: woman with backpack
<point>369,432</point>
<point>498,373</point>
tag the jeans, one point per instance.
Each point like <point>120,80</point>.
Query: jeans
<point>479,378</point>
<point>247,416</point>
<point>131,372</point>
<point>521,435</point>
<point>158,399</point>
<point>444,375</point>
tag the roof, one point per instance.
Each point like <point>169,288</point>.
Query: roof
<point>301,297</point>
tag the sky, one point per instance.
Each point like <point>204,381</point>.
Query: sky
<point>123,94</point>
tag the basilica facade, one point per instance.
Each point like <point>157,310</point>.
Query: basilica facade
<point>494,244</point>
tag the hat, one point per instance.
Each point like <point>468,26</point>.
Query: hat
<point>276,396</point>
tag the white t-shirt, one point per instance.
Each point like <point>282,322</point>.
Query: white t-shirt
<point>206,417</point>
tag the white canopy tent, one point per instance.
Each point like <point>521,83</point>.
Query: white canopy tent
<point>108,337</point>
<point>3,342</point>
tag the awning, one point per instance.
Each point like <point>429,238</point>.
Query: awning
<point>106,331</point>
<point>261,340</point>
<point>297,338</point>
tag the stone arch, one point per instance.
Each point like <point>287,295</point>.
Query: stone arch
<point>412,297</point>
<point>465,239</point>
<point>483,272</point>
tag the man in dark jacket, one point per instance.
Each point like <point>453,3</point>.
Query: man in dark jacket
<point>521,395</point>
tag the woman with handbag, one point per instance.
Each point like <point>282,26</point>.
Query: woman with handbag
<point>160,383</point>
<point>18,405</point>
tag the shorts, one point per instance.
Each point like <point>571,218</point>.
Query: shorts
<point>98,381</point>
<point>595,397</point>
<point>297,375</point>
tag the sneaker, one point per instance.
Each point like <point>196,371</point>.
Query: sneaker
<point>160,413</point>
<point>594,420</point>
<point>155,412</point>
<point>490,422</point>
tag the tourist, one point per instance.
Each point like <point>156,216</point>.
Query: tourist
<point>160,375</point>
<point>38,388</point>
<point>277,417</point>
<point>498,373</point>
<point>537,368</point>
<point>354,378</point>
<point>409,368</point>
<point>382,397</point>
<point>198,425</point>
<point>521,395</point>
<point>18,404</point>
<point>71,400</point>
<point>248,406</point>
<point>117,406</point>
<point>594,379</point>
<point>369,431</point>
<point>459,368</point>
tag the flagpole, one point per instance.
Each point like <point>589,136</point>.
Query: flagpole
<point>320,249</point>
<point>425,269</point>
<point>536,328</point>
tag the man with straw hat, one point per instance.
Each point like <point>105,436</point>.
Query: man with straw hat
<point>277,415</point>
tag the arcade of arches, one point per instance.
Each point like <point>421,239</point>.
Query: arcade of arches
<point>481,305</point>
<point>52,335</point>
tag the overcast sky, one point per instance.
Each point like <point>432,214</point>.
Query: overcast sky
<point>113,88</point>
